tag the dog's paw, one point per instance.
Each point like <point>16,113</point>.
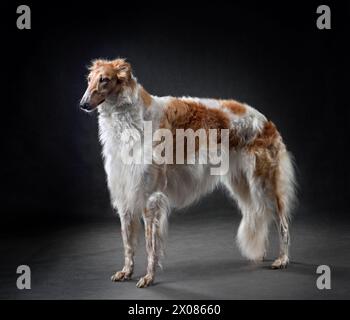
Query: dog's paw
<point>121,276</point>
<point>280,263</point>
<point>145,281</point>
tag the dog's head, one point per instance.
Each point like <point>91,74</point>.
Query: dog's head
<point>106,79</point>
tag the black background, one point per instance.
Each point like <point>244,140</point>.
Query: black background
<point>270,55</point>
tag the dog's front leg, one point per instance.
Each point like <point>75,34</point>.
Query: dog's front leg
<point>130,229</point>
<point>155,217</point>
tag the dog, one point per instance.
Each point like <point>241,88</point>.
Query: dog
<point>260,177</point>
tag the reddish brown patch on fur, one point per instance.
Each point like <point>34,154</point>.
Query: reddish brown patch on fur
<point>267,148</point>
<point>235,140</point>
<point>146,97</point>
<point>268,138</point>
<point>187,114</point>
<point>234,106</point>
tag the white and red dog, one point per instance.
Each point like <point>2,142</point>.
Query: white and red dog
<point>260,176</point>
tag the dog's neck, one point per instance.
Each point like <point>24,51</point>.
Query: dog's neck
<point>123,112</point>
<point>125,101</point>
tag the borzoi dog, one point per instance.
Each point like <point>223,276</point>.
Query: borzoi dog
<point>260,175</point>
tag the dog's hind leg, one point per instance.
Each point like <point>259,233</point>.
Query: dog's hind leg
<point>130,225</point>
<point>155,218</point>
<point>283,231</point>
<point>285,199</point>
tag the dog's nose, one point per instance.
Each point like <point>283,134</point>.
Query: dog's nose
<point>85,106</point>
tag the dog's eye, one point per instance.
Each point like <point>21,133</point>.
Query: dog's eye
<point>104,80</point>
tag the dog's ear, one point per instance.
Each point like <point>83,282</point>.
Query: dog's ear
<point>122,69</point>
<point>96,64</point>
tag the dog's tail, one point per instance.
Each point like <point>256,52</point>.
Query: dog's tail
<point>252,236</point>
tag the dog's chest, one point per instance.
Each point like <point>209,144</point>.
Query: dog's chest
<point>119,133</point>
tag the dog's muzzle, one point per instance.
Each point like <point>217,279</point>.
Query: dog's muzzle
<point>86,107</point>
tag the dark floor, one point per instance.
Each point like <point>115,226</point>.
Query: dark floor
<point>202,262</point>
